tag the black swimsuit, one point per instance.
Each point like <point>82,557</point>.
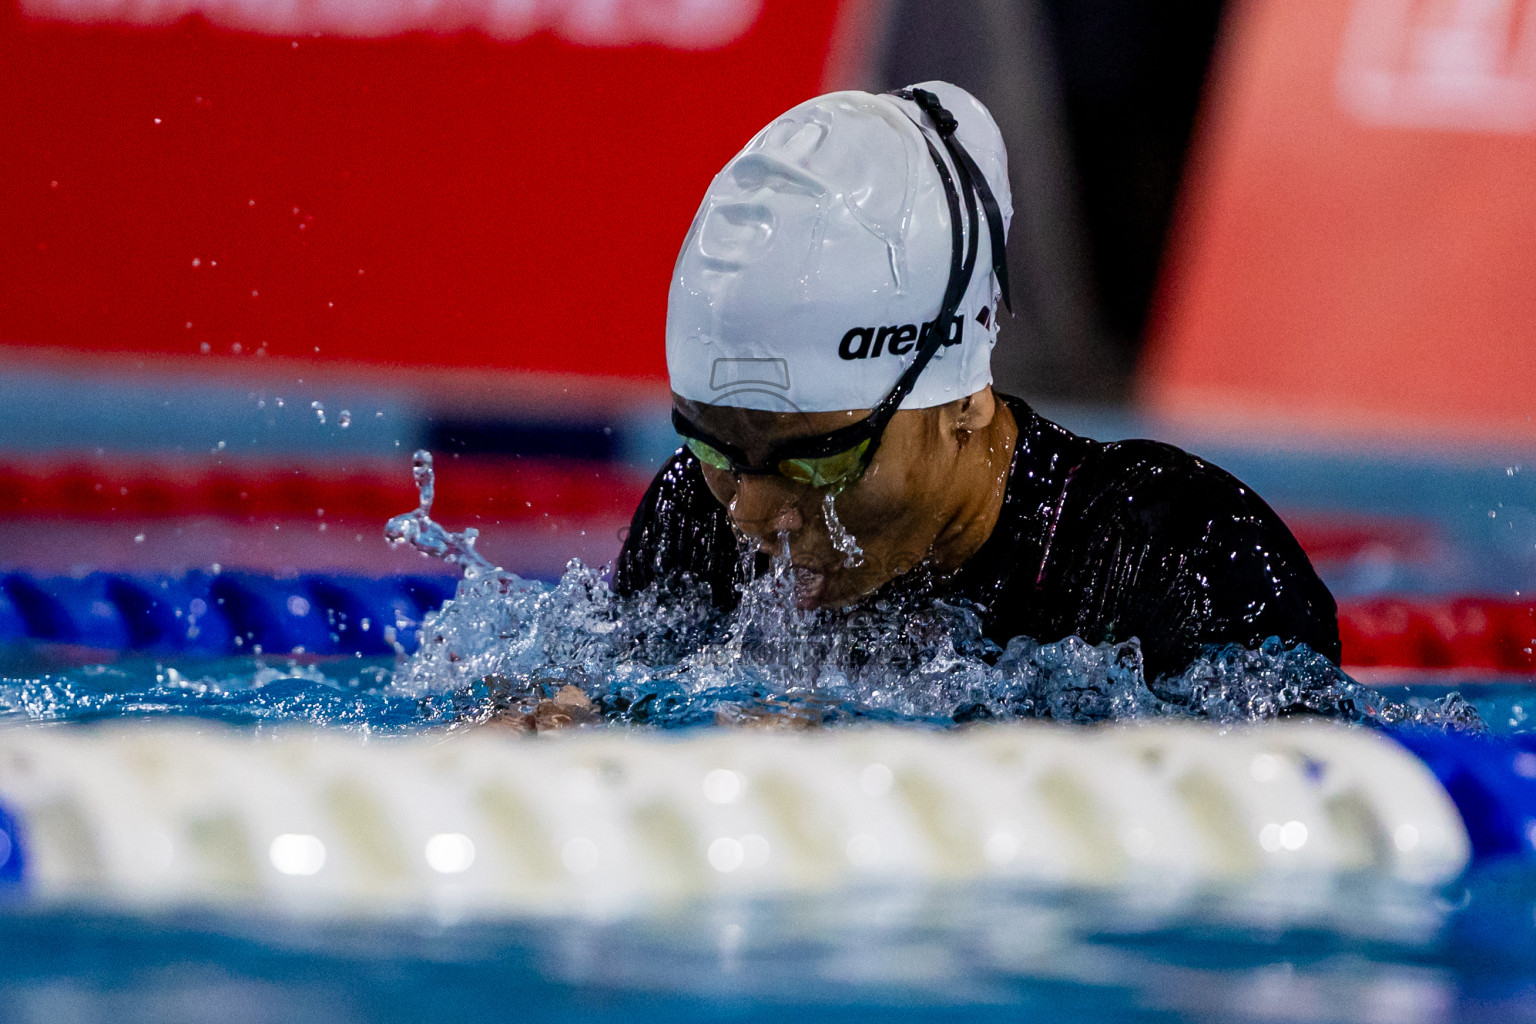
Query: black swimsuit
<point>1102,541</point>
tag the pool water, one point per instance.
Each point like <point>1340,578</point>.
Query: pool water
<point>362,695</point>
<point>1312,949</point>
<point>1309,953</point>
<point>1303,949</point>
<point>669,660</point>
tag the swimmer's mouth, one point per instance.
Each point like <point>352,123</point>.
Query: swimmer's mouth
<point>809,586</point>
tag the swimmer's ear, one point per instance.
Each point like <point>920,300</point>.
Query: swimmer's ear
<point>972,413</point>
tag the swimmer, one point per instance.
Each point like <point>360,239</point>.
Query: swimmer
<point>829,335</point>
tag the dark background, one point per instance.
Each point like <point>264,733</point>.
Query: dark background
<point>1097,100</point>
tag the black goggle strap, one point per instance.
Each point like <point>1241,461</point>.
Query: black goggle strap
<point>994,217</point>
<point>962,264</point>
<point>946,124</point>
<point>738,458</point>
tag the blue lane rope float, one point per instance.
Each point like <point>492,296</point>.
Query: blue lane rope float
<point>12,855</point>
<point>230,613</point>
<point>219,614</point>
<point>1492,781</point>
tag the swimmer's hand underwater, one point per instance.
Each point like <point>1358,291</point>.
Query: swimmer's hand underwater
<point>568,707</point>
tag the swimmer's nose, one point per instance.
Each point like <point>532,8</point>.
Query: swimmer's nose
<point>764,507</point>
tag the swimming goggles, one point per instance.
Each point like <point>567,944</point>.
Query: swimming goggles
<point>837,459</point>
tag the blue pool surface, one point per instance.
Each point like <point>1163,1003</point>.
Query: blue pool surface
<point>971,955</point>
<point>1308,950</point>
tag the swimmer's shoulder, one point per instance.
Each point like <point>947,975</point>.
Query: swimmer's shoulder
<point>1151,465</point>
<point>1163,488</point>
<point>1176,503</point>
<point>1148,469</point>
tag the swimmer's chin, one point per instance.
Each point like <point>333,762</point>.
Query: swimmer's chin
<point>815,589</point>
<point>810,588</point>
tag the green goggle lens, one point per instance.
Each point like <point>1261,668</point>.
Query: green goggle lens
<point>707,455</point>
<point>838,470</point>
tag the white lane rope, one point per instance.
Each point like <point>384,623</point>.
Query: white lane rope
<point>602,821</point>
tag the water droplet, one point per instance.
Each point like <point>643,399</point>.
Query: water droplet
<point>319,411</point>
<point>842,541</point>
<point>344,419</point>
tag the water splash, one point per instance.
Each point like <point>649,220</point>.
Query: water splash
<point>667,656</point>
<point>845,543</point>
<point>418,529</point>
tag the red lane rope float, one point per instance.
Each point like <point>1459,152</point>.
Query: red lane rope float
<point>1440,632</point>
<point>485,488</point>
<point>1348,538</point>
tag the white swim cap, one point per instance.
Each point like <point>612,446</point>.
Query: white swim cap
<point>820,257</point>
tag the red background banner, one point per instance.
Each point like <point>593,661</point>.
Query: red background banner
<point>427,199</point>
<point>1355,251</point>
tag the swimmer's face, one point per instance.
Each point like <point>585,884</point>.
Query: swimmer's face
<point>895,511</point>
